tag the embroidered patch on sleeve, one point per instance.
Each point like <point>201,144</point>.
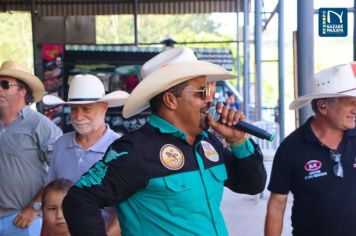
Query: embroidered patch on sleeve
<point>112,155</point>
<point>94,176</point>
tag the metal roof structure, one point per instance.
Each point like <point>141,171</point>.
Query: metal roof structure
<point>111,7</point>
<point>64,8</point>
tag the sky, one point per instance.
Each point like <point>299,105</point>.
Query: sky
<point>228,20</point>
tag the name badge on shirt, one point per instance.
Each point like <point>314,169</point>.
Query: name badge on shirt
<point>209,151</point>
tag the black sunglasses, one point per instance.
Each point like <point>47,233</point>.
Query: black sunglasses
<point>5,84</point>
<point>336,157</point>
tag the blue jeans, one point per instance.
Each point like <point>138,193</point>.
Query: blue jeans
<point>7,228</point>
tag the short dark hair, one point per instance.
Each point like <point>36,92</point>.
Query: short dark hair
<point>60,184</point>
<point>29,95</point>
<point>156,101</point>
<point>314,105</point>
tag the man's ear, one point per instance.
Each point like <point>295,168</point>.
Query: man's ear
<point>170,101</point>
<point>321,106</point>
<point>23,92</point>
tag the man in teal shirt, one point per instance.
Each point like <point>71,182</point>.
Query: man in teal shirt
<point>167,178</point>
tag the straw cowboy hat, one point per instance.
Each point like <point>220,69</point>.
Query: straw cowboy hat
<point>85,89</point>
<point>16,71</point>
<point>337,81</point>
<point>166,70</point>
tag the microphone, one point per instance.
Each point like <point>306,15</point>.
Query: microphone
<point>246,127</point>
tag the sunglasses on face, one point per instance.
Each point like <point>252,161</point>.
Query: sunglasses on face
<point>336,157</point>
<point>205,93</point>
<point>5,84</point>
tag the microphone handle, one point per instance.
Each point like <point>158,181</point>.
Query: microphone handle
<point>254,130</point>
<point>246,127</point>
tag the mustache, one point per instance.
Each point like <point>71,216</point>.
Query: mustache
<point>206,109</point>
<point>82,122</point>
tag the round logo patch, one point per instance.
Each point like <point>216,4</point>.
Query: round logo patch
<point>171,157</point>
<point>210,151</point>
<point>313,165</point>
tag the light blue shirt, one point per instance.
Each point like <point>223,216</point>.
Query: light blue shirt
<point>69,160</point>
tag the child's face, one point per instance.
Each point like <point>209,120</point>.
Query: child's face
<point>53,214</point>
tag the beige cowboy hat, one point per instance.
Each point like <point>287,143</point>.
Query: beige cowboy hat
<point>337,81</point>
<point>166,70</point>
<point>85,89</point>
<point>16,71</point>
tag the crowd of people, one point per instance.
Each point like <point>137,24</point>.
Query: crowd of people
<point>167,177</point>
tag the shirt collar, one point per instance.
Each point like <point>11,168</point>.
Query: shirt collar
<point>25,111</point>
<point>99,146</point>
<point>167,128</point>
<point>310,136</point>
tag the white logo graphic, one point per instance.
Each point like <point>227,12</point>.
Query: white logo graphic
<point>328,17</point>
<point>210,151</point>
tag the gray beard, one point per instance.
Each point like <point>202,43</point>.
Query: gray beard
<point>2,113</point>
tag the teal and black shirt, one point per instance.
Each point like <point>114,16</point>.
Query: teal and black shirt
<point>161,185</point>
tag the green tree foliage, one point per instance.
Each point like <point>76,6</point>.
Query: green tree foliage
<point>16,38</point>
<point>115,29</point>
<point>155,28</point>
<point>185,29</point>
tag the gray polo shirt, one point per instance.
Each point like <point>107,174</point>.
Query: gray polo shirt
<point>24,144</point>
<point>69,160</point>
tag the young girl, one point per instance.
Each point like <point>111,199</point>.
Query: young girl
<point>54,223</point>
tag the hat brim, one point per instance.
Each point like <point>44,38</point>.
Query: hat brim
<point>114,99</point>
<point>306,99</point>
<point>33,82</point>
<point>167,77</point>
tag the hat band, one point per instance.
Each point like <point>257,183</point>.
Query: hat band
<point>82,99</point>
<point>347,90</point>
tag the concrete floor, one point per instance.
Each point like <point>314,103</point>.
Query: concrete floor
<point>245,215</point>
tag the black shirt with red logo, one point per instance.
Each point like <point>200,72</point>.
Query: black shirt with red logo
<point>324,204</point>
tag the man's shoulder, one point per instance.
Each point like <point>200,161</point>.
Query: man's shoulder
<point>296,135</point>
<point>38,117</point>
<point>293,142</point>
<point>111,134</point>
<point>67,135</point>
<point>65,138</point>
<point>140,137</point>
<point>39,123</point>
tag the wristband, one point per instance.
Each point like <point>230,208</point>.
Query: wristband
<point>240,141</point>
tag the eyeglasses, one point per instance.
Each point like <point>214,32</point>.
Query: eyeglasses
<point>205,93</point>
<point>336,157</point>
<point>5,84</point>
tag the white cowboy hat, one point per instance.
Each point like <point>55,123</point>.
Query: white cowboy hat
<point>166,70</point>
<point>16,71</point>
<point>337,81</point>
<point>85,89</point>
